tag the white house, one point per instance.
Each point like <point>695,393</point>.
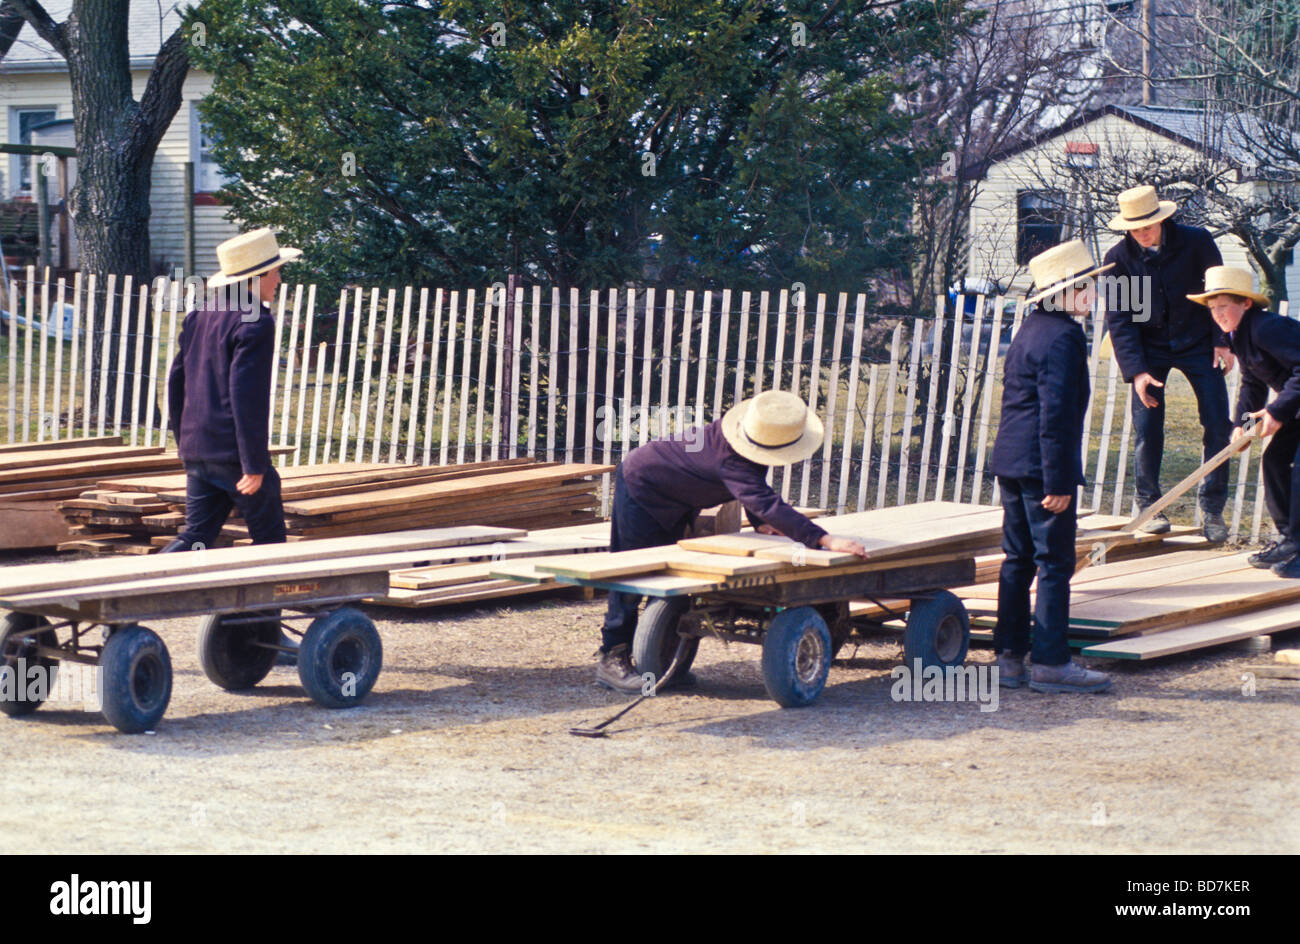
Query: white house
<point>1027,198</point>
<point>35,91</point>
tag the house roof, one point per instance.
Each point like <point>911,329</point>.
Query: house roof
<point>146,32</point>
<point>1226,140</point>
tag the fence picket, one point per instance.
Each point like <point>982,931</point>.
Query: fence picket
<point>887,434</point>
<point>851,402</point>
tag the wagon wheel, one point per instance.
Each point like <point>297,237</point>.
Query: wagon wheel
<point>20,634</point>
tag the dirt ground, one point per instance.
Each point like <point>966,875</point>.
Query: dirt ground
<point>463,747</point>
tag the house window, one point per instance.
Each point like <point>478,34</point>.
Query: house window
<point>1041,222</point>
<point>208,176</point>
<point>21,122</point>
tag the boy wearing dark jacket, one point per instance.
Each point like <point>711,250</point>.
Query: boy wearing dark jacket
<point>661,486</point>
<point>1268,349</point>
<point>218,395</point>
<point>1038,460</point>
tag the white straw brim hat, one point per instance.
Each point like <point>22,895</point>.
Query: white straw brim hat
<point>249,254</point>
<point>1227,280</point>
<point>768,429</point>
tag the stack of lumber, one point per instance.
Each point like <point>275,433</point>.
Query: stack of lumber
<point>1170,603</point>
<point>464,574</point>
<point>929,532</point>
<point>34,477</point>
<point>134,514</point>
<point>297,571</point>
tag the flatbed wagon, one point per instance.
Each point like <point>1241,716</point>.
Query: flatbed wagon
<point>800,617</point>
<point>95,613</point>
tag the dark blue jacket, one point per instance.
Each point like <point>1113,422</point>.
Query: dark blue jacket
<point>1268,349</point>
<point>1044,396</point>
<point>219,389</point>
<point>674,479</point>
<point>1174,327</point>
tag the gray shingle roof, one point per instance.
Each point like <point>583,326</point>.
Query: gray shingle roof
<point>146,31</point>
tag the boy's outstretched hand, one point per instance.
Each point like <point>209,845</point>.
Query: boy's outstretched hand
<point>842,545</point>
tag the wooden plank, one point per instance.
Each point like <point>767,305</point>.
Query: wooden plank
<point>61,446</point>
<point>334,379</point>
<point>416,495</point>
<point>91,468</point>
<point>32,457</point>
<point>417,375</point>
<point>986,399</point>
<point>1189,638</point>
<point>954,364</point>
<point>694,563</point>
<point>399,383</point>
<point>602,566</point>
<point>73,575</point>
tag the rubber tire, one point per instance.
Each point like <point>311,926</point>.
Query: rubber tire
<point>656,639</point>
<point>137,679</point>
<point>796,657</point>
<point>344,641</point>
<point>931,625</point>
<point>227,655</point>
<point>22,624</point>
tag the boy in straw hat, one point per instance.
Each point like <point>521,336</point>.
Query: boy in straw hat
<point>1038,460</point>
<point>1154,329</point>
<point>661,486</point>
<point>1268,349</point>
<point>218,395</point>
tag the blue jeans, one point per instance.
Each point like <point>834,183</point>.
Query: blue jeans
<point>1035,539</point>
<point>1149,430</point>
<point>630,528</point>
<point>210,494</point>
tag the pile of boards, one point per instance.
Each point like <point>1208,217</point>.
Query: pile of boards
<point>928,532</point>
<point>1165,604</point>
<point>136,514</point>
<point>464,574</point>
<point>35,477</point>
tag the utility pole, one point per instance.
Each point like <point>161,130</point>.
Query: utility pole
<point>1148,25</point>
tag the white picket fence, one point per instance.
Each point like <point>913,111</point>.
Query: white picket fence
<point>427,376</point>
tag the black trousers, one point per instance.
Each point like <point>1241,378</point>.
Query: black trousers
<point>630,528</point>
<point>210,493</point>
<point>1034,539</point>
<point>1282,479</point>
<point>1149,429</point>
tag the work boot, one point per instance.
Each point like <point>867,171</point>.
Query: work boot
<point>1288,568</point>
<point>1070,677</point>
<point>1011,669</point>
<point>1159,524</point>
<point>615,670</point>
<point>1215,529</point>
<point>1275,552</point>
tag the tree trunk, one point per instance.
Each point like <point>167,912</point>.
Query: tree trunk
<point>117,138</point>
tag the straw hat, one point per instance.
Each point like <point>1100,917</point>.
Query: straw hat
<point>1062,266</point>
<point>1225,280</point>
<point>250,254</point>
<point>1139,207</point>
<point>773,428</point>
